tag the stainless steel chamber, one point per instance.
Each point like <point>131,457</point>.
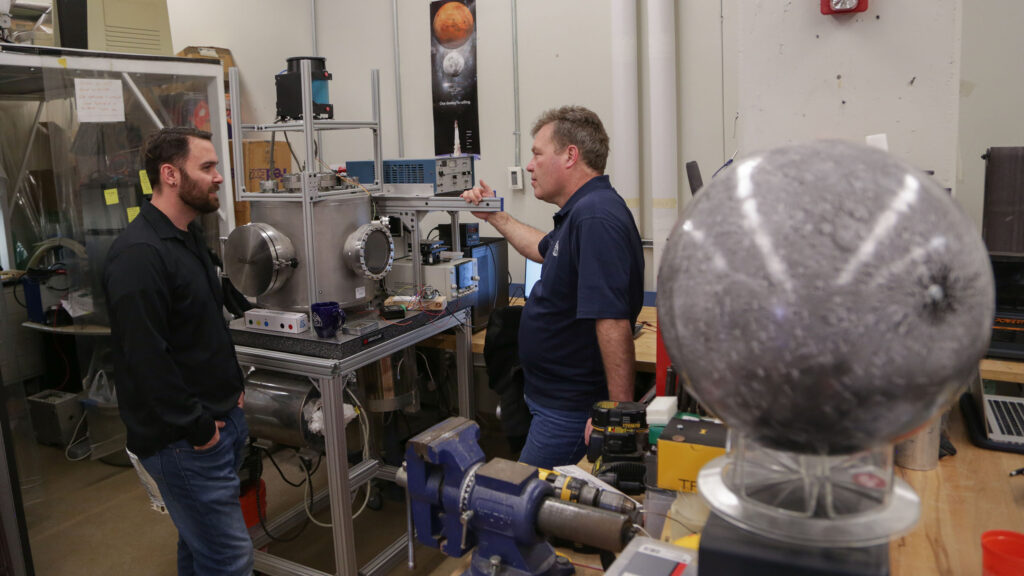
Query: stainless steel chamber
<point>267,258</point>
<point>260,259</point>
<point>283,408</point>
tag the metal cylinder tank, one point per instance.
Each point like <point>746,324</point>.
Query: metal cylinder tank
<point>279,407</point>
<point>351,253</point>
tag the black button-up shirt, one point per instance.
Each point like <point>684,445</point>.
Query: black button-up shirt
<point>174,363</point>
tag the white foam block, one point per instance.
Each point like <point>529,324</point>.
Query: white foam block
<point>661,410</point>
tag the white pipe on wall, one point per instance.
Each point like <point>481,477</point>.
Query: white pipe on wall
<point>516,132</point>
<point>398,83</point>
<point>662,143</point>
<point>625,125</point>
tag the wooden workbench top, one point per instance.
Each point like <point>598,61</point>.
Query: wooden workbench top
<point>965,496</point>
<point>646,343</point>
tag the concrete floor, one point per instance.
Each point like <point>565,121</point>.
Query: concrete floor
<point>92,518</point>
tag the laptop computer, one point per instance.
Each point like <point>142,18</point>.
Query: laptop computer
<point>532,275</point>
<point>1000,406</point>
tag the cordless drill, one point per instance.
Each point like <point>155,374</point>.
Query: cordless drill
<point>618,443</point>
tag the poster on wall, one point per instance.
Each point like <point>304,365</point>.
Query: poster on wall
<point>453,59</point>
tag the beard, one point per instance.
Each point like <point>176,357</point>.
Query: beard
<point>204,200</point>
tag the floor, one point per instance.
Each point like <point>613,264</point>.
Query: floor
<point>93,518</point>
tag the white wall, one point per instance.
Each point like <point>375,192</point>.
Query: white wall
<point>563,58</point>
<point>991,92</point>
<point>751,74</point>
<point>894,69</point>
<point>259,33</point>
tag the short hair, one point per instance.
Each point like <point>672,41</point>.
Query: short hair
<point>169,146</point>
<point>580,127</point>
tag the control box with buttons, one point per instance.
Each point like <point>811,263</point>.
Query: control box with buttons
<point>448,176</point>
<point>276,321</point>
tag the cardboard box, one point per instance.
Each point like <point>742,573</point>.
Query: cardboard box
<point>684,447</point>
<point>222,54</point>
<point>257,169</point>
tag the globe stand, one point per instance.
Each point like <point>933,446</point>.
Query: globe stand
<point>852,500</point>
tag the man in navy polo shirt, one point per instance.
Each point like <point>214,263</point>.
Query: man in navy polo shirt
<point>576,333</point>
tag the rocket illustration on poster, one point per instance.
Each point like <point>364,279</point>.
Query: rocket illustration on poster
<point>453,59</point>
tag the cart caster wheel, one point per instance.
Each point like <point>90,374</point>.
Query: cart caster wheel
<point>375,502</point>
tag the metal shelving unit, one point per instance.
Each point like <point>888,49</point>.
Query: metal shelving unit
<point>309,127</point>
<point>328,373</point>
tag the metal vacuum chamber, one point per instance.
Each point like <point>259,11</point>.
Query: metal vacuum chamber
<point>267,258</point>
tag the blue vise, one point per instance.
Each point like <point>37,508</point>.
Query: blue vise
<point>459,503</point>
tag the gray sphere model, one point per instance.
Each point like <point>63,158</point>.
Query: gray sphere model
<point>825,298</point>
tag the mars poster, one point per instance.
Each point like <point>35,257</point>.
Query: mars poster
<point>453,60</point>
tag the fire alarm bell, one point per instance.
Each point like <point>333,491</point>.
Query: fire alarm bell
<point>843,6</point>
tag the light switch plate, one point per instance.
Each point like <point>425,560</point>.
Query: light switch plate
<point>515,178</point>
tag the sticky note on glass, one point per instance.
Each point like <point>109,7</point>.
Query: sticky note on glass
<point>144,180</point>
<point>133,211</point>
<point>111,196</point>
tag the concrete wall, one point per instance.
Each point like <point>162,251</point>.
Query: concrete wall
<point>894,69</point>
<point>559,63</point>
<point>991,92</point>
<point>750,74</point>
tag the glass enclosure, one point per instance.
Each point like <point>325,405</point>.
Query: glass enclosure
<point>72,125</point>
<point>69,159</point>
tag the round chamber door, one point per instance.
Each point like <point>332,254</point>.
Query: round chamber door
<point>370,250</point>
<point>258,259</point>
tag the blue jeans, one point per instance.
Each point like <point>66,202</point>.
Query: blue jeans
<point>200,490</point>
<point>555,438</point>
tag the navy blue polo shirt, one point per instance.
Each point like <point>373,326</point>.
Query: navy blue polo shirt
<point>593,268</point>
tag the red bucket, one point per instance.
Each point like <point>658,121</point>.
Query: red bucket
<point>1002,553</point>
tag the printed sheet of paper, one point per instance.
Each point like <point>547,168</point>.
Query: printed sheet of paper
<point>99,100</point>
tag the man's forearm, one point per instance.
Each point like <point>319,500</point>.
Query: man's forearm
<point>522,237</point>
<point>615,338</point>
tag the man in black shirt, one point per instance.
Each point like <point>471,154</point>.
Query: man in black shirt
<point>179,385</point>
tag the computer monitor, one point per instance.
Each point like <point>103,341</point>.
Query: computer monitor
<point>532,275</point>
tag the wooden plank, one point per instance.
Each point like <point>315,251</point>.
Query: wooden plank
<point>963,497</point>
<point>1005,370</point>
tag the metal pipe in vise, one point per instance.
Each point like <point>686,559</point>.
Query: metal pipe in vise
<point>584,524</point>
<point>574,522</point>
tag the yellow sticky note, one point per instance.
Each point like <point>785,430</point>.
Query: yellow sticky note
<point>63,62</point>
<point>133,211</point>
<point>111,195</point>
<point>144,180</point>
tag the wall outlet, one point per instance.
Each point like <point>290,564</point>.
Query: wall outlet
<point>515,178</point>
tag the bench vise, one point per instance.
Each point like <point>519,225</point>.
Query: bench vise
<point>501,508</point>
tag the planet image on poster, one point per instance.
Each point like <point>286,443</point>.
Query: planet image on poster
<point>453,64</point>
<point>453,25</point>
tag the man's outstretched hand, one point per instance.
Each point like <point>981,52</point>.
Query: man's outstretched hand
<point>475,195</point>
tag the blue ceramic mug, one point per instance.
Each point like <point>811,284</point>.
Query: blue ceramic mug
<point>327,316</point>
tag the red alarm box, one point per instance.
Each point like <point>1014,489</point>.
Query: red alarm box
<point>843,6</point>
